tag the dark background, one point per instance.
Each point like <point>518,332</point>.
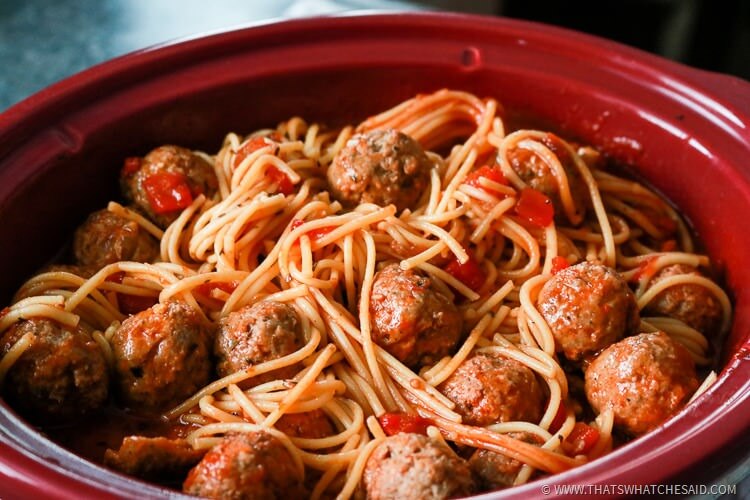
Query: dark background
<point>43,41</point>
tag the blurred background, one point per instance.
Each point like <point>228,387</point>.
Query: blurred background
<point>43,41</point>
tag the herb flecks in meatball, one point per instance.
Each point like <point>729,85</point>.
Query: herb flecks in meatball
<point>588,307</point>
<point>411,319</point>
<point>105,238</point>
<point>165,181</point>
<point>161,356</point>
<point>644,380</point>
<point>261,332</point>
<point>246,466</point>
<point>490,388</point>
<point>412,466</point>
<point>63,373</point>
<point>382,166</point>
<point>694,305</point>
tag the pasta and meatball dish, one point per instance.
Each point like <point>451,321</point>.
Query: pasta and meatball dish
<point>428,304</point>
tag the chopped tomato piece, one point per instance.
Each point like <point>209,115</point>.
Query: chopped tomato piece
<point>535,207</point>
<point>313,234</point>
<point>132,304</point>
<point>582,439</point>
<point>249,148</point>
<point>393,423</point>
<point>469,273</point>
<point>492,173</point>
<point>559,420</point>
<point>559,263</point>
<point>131,165</point>
<point>167,192</point>
<point>281,179</point>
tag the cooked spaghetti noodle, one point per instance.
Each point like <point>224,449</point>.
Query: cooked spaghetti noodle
<point>274,232</point>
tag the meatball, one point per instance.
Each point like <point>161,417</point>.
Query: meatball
<point>313,424</point>
<point>106,238</point>
<point>588,307</point>
<point>536,174</point>
<point>246,466</point>
<point>490,388</point>
<point>262,332</point>
<point>643,379</point>
<point>171,169</point>
<point>161,356</point>
<point>411,319</point>
<point>63,373</point>
<point>412,466</point>
<point>495,470</point>
<point>153,458</point>
<point>694,305</point>
<point>382,167</point>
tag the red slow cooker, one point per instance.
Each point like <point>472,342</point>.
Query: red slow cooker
<point>687,132</point>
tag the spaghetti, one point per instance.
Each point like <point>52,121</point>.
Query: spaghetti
<point>482,229</point>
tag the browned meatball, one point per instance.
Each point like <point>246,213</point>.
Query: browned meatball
<point>82,271</point>
<point>264,331</point>
<point>382,167</point>
<point>694,305</point>
<point>495,470</point>
<point>412,466</point>
<point>167,169</point>
<point>644,380</point>
<point>490,388</point>
<point>410,318</point>
<point>588,307</point>
<point>537,175</point>
<point>63,373</point>
<point>153,458</point>
<point>246,466</point>
<point>311,425</point>
<point>161,356</point>
<point>106,238</point>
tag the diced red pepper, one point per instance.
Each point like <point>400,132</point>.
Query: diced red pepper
<point>254,145</point>
<point>582,439</point>
<point>281,179</point>
<point>167,192</point>
<point>393,423</point>
<point>535,207</point>
<point>559,263</point>
<point>313,234</point>
<point>492,173</point>
<point>559,420</point>
<point>469,273</point>
<point>131,165</point>
<point>249,148</point>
